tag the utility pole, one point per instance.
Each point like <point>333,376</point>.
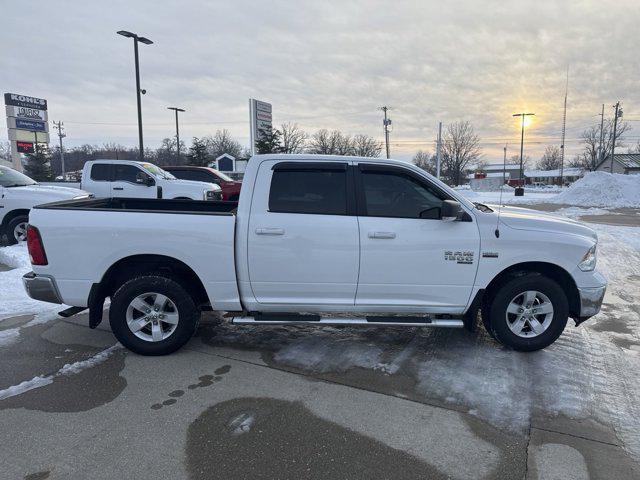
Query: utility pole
<point>519,192</point>
<point>564,129</point>
<point>438,151</point>
<point>59,126</point>
<point>146,41</point>
<point>615,126</point>
<point>176,109</point>
<point>386,122</point>
<point>600,151</point>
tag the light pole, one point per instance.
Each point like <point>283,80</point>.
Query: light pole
<point>617,115</point>
<point>519,192</point>
<point>176,109</point>
<point>139,91</point>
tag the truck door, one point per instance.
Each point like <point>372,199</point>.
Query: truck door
<point>303,234</point>
<point>100,180</point>
<point>409,257</point>
<point>132,181</point>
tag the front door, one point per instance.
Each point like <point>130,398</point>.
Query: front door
<point>409,257</point>
<point>131,181</point>
<point>303,234</point>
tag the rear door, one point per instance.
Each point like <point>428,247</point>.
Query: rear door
<point>409,257</point>
<point>131,181</point>
<point>100,179</point>
<point>303,234</point>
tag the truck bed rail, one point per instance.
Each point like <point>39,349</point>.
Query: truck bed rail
<point>147,205</point>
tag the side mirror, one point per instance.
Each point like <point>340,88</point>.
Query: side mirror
<point>149,181</point>
<point>451,210</point>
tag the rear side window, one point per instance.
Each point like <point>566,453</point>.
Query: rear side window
<point>100,172</point>
<point>197,175</point>
<point>319,191</point>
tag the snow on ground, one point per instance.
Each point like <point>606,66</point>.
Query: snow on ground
<point>595,189</point>
<point>601,189</point>
<point>14,300</point>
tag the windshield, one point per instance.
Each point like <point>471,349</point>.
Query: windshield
<point>12,178</point>
<point>222,176</point>
<point>157,171</point>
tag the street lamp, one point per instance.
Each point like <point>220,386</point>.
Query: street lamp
<point>146,41</point>
<point>519,192</point>
<point>176,109</point>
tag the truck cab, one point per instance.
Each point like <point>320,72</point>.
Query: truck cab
<point>132,179</point>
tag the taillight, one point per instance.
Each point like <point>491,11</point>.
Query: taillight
<point>35,247</point>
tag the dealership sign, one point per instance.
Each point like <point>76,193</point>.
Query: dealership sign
<point>25,112</point>
<point>31,125</point>
<point>261,118</point>
<point>25,101</point>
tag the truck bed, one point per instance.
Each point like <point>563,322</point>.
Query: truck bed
<point>146,205</point>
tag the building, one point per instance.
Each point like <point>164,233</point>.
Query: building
<point>510,171</point>
<point>625,163</point>
<point>232,166</point>
<point>552,177</point>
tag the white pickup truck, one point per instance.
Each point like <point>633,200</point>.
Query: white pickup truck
<point>131,179</point>
<point>18,194</point>
<point>321,240</point>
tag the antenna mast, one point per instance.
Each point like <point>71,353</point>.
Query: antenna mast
<point>564,129</point>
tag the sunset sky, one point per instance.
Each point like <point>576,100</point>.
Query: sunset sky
<point>328,64</point>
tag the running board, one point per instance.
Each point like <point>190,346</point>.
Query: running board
<point>288,318</point>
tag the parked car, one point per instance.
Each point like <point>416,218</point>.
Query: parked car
<point>230,187</point>
<point>18,194</point>
<point>379,239</point>
<point>125,178</point>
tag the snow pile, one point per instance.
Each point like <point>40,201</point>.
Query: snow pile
<point>15,256</point>
<point>601,189</point>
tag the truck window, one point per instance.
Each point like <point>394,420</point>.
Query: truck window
<point>321,192</point>
<point>393,194</point>
<point>197,175</point>
<point>100,172</point>
<point>126,173</point>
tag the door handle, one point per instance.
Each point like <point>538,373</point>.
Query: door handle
<point>118,188</point>
<point>270,231</point>
<point>382,234</point>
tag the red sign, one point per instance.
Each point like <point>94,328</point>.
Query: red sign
<point>24,147</point>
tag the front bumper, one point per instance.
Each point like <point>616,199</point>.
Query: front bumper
<point>590,301</point>
<point>40,287</point>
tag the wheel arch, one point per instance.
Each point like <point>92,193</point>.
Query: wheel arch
<point>13,214</point>
<point>550,270</point>
<point>136,265</point>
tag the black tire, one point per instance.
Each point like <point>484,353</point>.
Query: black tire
<point>188,314</point>
<point>11,239</point>
<point>497,310</point>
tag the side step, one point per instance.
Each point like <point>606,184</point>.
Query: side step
<point>71,311</point>
<point>292,318</point>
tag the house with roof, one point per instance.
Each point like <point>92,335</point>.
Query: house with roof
<point>625,163</point>
<point>554,177</point>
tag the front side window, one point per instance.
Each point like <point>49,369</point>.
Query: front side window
<point>394,194</point>
<point>100,172</point>
<point>197,175</point>
<point>127,173</point>
<point>309,191</point>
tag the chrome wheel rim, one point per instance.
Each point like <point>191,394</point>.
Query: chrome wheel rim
<point>20,232</point>
<point>529,314</point>
<point>152,317</point>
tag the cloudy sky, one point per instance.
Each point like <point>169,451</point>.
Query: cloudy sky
<point>327,64</point>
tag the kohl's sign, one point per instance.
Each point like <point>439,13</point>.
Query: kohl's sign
<point>25,101</point>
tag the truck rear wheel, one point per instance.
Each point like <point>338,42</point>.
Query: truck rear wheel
<point>153,315</point>
<point>17,230</point>
<point>528,313</point>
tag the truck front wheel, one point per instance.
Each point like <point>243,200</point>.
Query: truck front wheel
<point>528,313</point>
<point>153,315</point>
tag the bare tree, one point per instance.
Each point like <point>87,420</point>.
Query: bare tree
<point>590,157</point>
<point>365,146</point>
<point>222,142</point>
<point>635,149</point>
<point>293,139</point>
<point>5,151</point>
<point>460,146</point>
<point>425,161</point>
<point>550,160</point>
<point>515,160</point>
<point>330,143</point>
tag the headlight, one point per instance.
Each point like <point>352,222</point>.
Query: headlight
<point>588,262</point>
<point>210,195</point>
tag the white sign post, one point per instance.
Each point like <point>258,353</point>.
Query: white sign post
<point>261,116</point>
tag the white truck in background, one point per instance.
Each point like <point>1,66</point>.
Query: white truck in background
<point>380,240</point>
<point>132,179</point>
<point>18,195</point>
